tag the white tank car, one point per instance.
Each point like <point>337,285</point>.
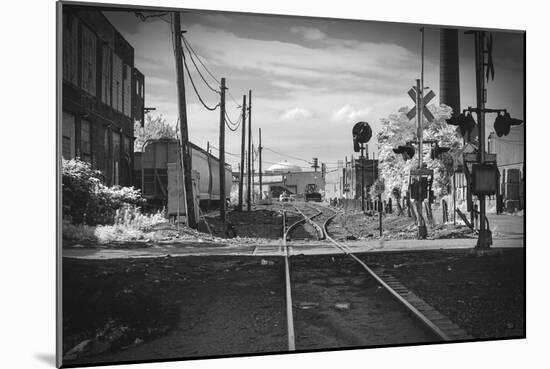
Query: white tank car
<point>151,171</point>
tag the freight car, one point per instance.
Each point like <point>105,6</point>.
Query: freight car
<point>151,172</point>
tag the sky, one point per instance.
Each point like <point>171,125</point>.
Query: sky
<point>312,79</point>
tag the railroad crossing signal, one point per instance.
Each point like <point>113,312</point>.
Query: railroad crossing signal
<point>429,96</point>
<point>362,134</point>
<point>379,187</point>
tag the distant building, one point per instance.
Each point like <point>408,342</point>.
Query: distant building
<point>103,94</point>
<point>345,181</point>
<point>283,167</point>
<point>510,151</point>
<point>286,176</point>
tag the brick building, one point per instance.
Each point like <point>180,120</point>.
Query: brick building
<point>103,94</point>
<point>345,181</point>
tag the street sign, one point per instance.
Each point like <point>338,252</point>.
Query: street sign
<point>379,188</point>
<point>484,179</point>
<point>472,157</point>
<point>421,172</point>
<point>429,96</point>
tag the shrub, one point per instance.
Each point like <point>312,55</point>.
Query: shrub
<point>86,200</point>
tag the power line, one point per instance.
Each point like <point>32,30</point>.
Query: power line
<point>234,123</point>
<point>227,153</point>
<point>144,17</point>
<point>285,155</point>
<point>231,128</point>
<point>189,47</point>
<point>197,68</point>
<point>195,88</point>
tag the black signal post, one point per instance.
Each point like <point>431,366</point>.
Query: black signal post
<point>362,134</point>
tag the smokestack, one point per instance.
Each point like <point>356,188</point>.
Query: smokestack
<point>449,81</point>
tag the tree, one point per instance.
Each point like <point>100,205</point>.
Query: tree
<point>154,128</point>
<point>396,130</point>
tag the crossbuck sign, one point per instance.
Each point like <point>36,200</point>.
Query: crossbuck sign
<point>429,96</point>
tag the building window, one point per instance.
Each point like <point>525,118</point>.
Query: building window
<point>127,151</point>
<point>106,80</point>
<point>117,83</point>
<point>127,86</point>
<point>68,144</point>
<point>70,48</point>
<point>88,61</point>
<point>116,157</point>
<point>85,141</point>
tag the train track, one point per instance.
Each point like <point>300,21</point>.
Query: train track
<point>318,217</point>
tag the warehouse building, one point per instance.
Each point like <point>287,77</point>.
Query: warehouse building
<point>345,181</point>
<point>286,177</point>
<point>103,94</point>
<point>510,151</point>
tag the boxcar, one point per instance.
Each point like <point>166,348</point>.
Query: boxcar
<point>151,172</point>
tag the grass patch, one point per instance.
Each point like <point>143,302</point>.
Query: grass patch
<point>130,225</point>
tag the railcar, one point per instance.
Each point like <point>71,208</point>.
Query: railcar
<point>151,172</point>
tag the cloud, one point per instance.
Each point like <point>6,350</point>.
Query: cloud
<point>152,80</point>
<point>348,113</point>
<point>338,63</point>
<point>296,114</point>
<point>289,85</point>
<point>308,33</point>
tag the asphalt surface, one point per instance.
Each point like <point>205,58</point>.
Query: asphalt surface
<point>275,248</point>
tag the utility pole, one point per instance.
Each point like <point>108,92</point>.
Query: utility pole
<point>253,194</point>
<point>184,134</point>
<point>363,178</point>
<point>210,184</point>
<point>249,170</point>
<point>222,150</point>
<point>422,230</point>
<point>243,143</point>
<point>260,158</point>
<point>484,240</point>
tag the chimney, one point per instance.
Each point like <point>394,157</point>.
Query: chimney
<point>449,81</point>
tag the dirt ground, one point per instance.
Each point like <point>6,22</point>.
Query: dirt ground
<point>264,223</point>
<point>484,294</point>
<point>361,227</point>
<point>159,308</point>
<point>201,306</point>
<point>338,305</point>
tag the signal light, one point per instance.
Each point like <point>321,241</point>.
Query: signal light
<point>315,163</point>
<point>361,132</point>
<point>503,122</point>
<point>406,151</point>
<point>438,151</point>
<point>466,123</point>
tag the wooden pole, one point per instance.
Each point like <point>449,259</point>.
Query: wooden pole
<point>243,144</point>
<point>249,169</point>
<point>184,134</point>
<point>210,184</point>
<point>260,161</point>
<point>222,150</point>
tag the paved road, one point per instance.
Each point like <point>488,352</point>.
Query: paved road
<point>307,248</point>
<point>508,225</point>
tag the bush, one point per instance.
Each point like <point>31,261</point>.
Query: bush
<point>86,200</point>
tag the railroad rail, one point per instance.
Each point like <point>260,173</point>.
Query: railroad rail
<point>319,217</point>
